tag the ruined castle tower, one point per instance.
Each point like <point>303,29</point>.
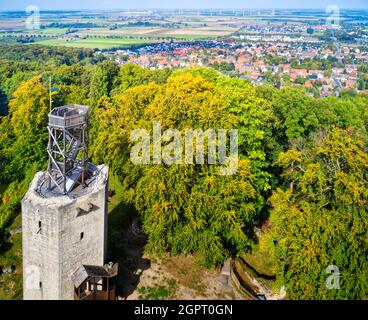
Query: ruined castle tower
<point>64,213</point>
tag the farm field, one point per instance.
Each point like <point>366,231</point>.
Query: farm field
<point>159,32</point>
<point>116,29</point>
<point>277,215</point>
<point>92,43</point>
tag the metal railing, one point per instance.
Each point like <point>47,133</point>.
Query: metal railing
<point>68,116</point>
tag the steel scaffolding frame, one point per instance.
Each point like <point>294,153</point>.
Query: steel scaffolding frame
<point>67,148</point>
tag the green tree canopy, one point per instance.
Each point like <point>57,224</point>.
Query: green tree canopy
<point>184,208</point>
<point>320,218</point>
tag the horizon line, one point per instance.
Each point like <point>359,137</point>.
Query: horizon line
<point>184,9</point>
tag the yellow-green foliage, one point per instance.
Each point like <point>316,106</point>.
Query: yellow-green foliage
<point>184,208</point>
<point>23,141</point>
<point>321,218</point>
<point>309,156</point>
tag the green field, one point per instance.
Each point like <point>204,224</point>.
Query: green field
<point>109,43</point>
<point>51,31</point>
<point>182,36</point>
<point>45,32</point>
<point>148,37</point>
<point>94,43</point>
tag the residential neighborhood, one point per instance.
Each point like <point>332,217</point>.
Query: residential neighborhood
<point>321,68</point>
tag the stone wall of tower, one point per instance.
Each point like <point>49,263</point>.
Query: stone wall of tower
<point>60,234</point>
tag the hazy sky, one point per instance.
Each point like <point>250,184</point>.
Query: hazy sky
<point>122,4</point>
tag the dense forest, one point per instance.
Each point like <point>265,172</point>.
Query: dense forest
<point>303,162</point>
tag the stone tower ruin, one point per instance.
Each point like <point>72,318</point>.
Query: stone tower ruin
<point>64,212</point>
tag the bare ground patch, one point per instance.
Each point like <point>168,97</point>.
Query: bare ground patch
<point>143,276</point>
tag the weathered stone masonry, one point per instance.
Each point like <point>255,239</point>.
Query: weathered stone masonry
<point>60,233</point>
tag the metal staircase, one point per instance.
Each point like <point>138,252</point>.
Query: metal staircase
<point>67,148</point>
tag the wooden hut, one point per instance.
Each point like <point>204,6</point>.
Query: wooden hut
<point>95,282</point>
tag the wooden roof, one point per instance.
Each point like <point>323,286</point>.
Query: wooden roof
<point>86,271</point>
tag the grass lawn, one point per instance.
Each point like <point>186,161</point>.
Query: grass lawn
<point>260,261</point>
<point>94,43</point>
<point>257,265</point>
<point>11,284</point>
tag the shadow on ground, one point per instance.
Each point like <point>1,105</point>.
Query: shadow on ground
<point>126,246</point>
<point>6,246</point>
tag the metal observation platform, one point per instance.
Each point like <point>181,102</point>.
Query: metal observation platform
<point>68,165</point>
<point>69,116</point>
